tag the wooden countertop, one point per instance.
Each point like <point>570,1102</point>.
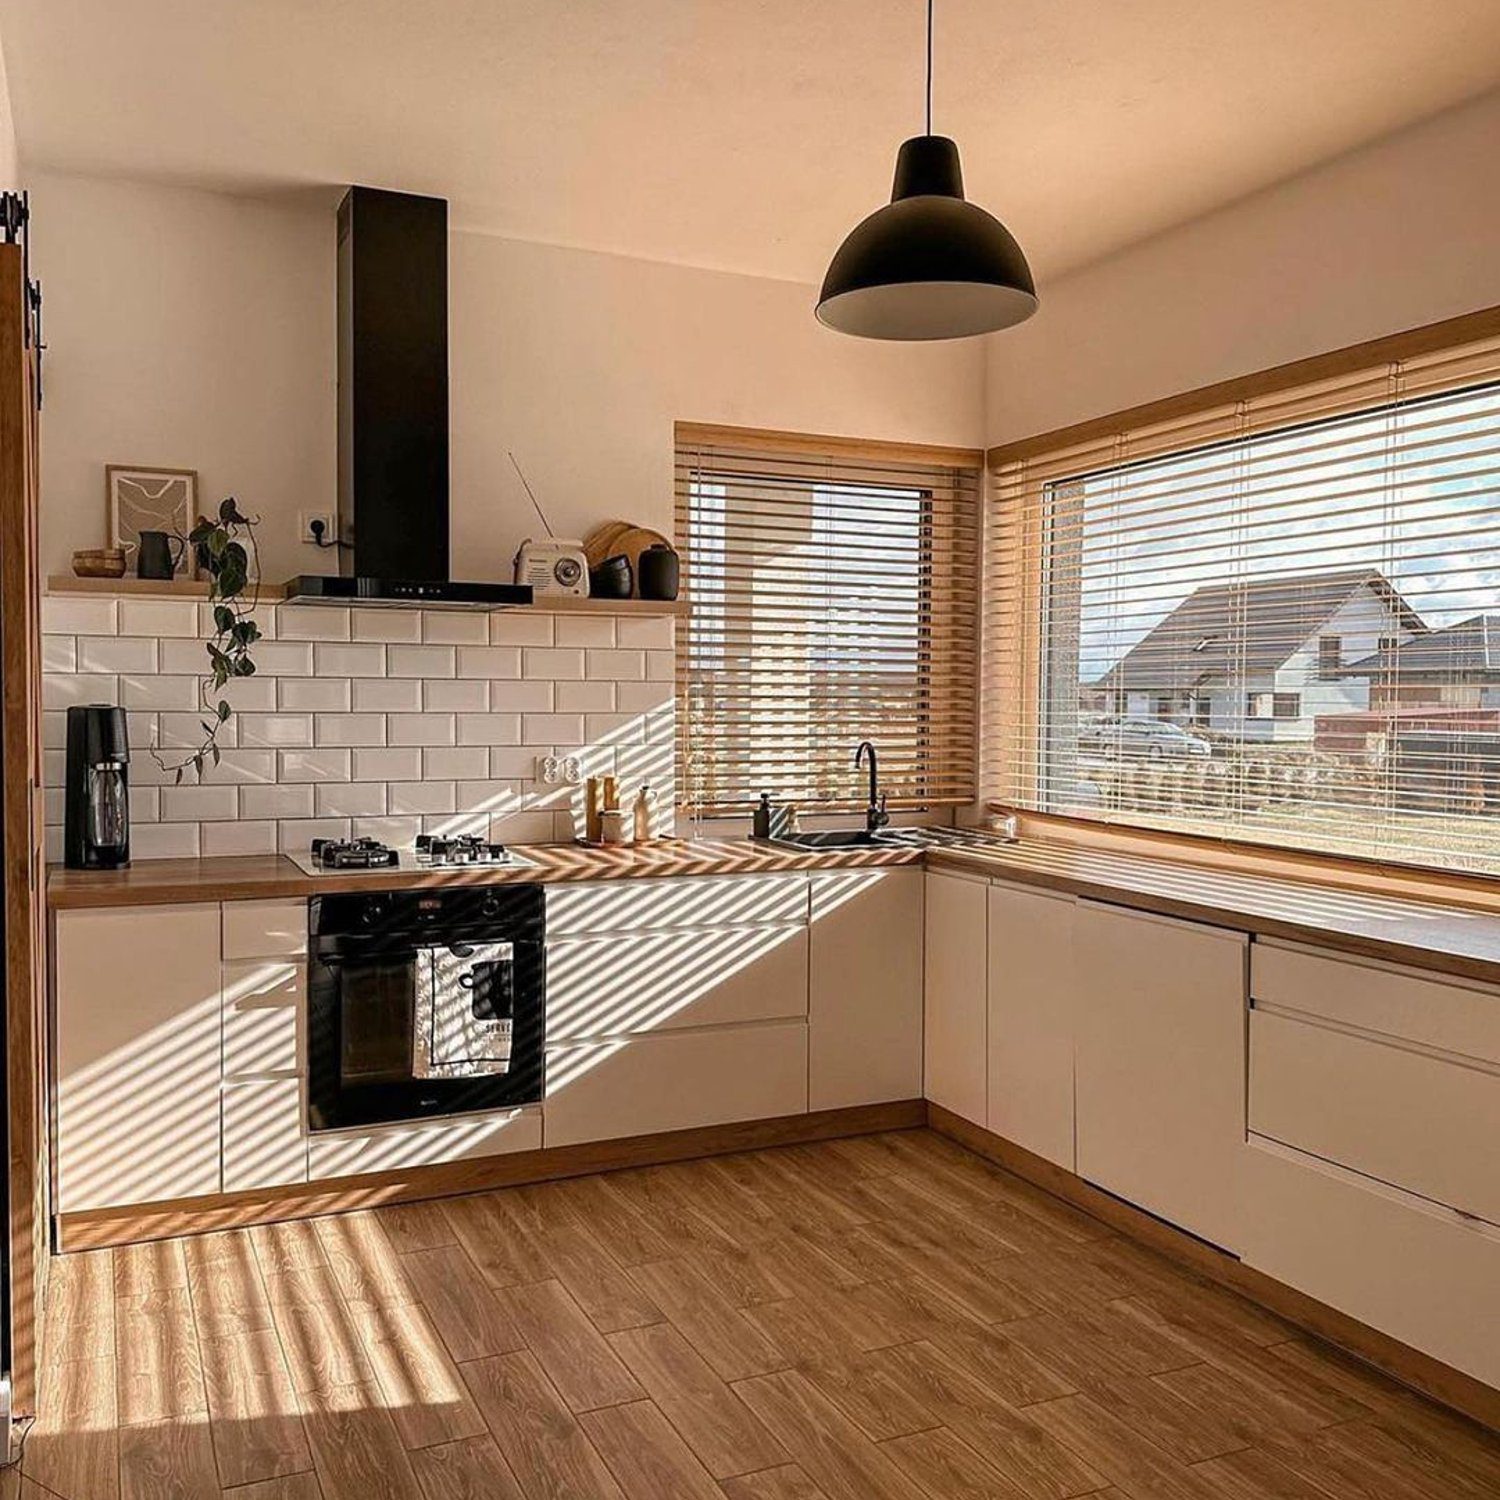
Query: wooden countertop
<point>1444,938</point>
<point>263,876</point>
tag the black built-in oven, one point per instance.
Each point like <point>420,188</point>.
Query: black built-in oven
<point>424,1002</point>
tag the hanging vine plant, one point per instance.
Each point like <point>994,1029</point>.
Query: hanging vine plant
<point>226,551</point>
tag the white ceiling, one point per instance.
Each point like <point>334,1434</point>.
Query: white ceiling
<point>742,134</point>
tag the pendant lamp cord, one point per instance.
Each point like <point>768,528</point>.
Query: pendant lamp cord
<point>929,67</point>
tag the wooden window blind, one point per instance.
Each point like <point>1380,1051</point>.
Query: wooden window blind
<point>834,598</point>
<point>1274,619</point>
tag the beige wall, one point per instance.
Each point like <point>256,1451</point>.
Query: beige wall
<point>196,330</point>
<point>9,172</point>
<point>1400,233</point>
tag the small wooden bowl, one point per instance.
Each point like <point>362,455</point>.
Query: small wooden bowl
<point>99,562</point>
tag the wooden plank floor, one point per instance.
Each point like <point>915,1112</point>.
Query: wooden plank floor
<point>886,1318</point>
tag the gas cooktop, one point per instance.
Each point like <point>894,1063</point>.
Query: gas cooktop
<point>367,856</point>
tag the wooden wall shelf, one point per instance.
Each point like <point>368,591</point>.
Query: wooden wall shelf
<point>187,588</point>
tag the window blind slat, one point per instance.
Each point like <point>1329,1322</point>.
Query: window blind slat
<point>834,598</point>
<point>1275,621</point>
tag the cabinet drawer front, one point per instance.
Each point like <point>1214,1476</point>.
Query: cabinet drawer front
<point>675,1081</point>
<point>387,1148</point>
<point>262,1009</point>
<point>688,901</point>
<point>265,1144</point>
<point>1419,1122</point>
<point>1398,1002</point>
<point>1406,1267</point>
<point>265,929</point>
<point>655,981</point>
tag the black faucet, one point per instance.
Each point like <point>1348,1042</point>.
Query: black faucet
<point>876,817</point>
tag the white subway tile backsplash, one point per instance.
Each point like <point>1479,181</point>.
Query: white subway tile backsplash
<point>523,696</point>
<point>517,629</point>
<point>243,767</point>
<point>333,659</point>
<point>349,799</point>
<point>69,689</point>
<point>489,661</point>
<point>117,653</point>
<point>59,653</point>
<point>620,666</point>
<point>385,625</point>
<point>285,800</point>
<point>388,765</point>
<point>561,730</point>
<point>283,658</point>
<point>557,664</point>
<point>240,837</point>
<point>451,695</point>
<point>420,729</point>
<point>298,834</point>
<point>584,630</point>
<point>509,762</point>
<point>198,804</point>
<point>387,695</point>
<point>493,797</point>
<point>614,729</point>
<point>489,729</point>
<point>399,833</point>
<point>329,695</point>
<point>452,628</point>
<point>581,697</point>
<point>279,731</point>
<point>644,632</point>
<point>380,723</point>
<point>452,762</point>
<point>349,729</point>
<point>420,661</point>
<point>311,622</point>
<point>65,616</point>
<point>416,797</point>
<point>313,765</point>
<point>164,841</point>
<point>158,617</point>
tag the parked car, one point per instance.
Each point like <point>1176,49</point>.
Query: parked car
<point>1143,739</point>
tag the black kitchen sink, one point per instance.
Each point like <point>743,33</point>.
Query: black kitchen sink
<point>835,838</point>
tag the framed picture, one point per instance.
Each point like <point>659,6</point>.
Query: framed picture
<point>140,499</point>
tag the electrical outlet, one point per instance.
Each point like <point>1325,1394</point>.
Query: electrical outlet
<point>572,770</point>
<point>305,532</point>
<point>548,770</point>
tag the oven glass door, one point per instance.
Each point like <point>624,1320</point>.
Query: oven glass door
<point>466,995</point>
<point>377,996</point>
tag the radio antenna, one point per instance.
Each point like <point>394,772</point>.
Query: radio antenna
<point>536,504</point>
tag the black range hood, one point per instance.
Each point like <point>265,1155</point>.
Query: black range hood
<point>393,411</point>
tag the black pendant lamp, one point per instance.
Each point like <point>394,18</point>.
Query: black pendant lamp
<point>929,265</point>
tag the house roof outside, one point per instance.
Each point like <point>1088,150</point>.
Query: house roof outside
<point>1248,627</point>
<point>1469,649</point>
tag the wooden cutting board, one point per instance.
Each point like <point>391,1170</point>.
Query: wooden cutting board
<point>611,538</point>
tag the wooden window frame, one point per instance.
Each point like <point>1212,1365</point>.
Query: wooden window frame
<point>1024,615</point>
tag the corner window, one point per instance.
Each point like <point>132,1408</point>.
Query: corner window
<point>834,598</point>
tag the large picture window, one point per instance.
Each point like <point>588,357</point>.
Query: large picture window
<point>834,598</point>
<point>1278,621</point>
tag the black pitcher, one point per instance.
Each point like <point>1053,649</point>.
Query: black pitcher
<point>155,558</point>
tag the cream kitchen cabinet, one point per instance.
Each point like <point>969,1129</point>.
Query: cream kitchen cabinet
<point>1159,1058</point>
<point>864,1018</point>
<point>137,1054</point>
<point>1033,982</point>
<point>675,1003</point>
<point>955,1023</point>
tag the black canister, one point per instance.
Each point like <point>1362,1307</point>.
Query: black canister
<point>658,569</point>
<point>612,579</point>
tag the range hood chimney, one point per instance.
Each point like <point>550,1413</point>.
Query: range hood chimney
<point>393,409</point>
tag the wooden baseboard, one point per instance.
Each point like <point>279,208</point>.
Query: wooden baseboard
<point>1411,1367</point>
<point>93,1229</point>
